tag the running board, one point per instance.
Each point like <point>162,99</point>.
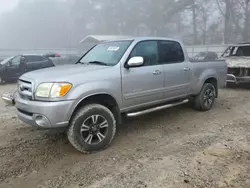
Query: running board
<point>134,114</point>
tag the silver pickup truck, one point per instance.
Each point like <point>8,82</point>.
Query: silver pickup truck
<point>126,77</point>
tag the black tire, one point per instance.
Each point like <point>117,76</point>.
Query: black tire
<point>1,80</point>
<point>78,134</point>
<point>202,102</point>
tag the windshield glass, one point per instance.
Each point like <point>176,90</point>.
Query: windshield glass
<point>5,61</point>
<point>108,53</point>
<point>237,51</point>
<point>227,52</point>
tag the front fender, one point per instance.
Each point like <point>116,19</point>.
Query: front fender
<point>85,90</point>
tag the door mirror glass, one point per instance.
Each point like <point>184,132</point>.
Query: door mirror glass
<point>135,61</point>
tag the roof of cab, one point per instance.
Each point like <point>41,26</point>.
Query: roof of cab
<point>101,38</point>
<point>137,39</point>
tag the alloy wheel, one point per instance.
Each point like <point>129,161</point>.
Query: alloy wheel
<point>94,129</point>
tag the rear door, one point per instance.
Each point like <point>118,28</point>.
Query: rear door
<point>34,62</point>
<point>143,85</point>
<point>177,71</point>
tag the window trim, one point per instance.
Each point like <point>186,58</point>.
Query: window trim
<point>128,58</point>
<point>161,63</point>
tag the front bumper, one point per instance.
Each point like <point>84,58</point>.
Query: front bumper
<point>237,79</point>
<point>45,115</point>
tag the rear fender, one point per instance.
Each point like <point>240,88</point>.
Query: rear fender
<point>209,73</point>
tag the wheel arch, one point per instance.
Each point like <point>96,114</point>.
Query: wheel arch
<point>214,82</point>
<point>104,99</point>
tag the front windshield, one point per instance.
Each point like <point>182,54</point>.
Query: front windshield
<point>237,51</point>
<point>6,61</point>
<point>227,52</point>
<point>107,53</point>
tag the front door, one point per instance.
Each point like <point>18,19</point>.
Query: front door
<point>13,68</point>
<point>143,85</point>
<point>177,71</point>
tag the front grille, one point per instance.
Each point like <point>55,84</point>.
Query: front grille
<point>25,89</point>
<point>239,71</point>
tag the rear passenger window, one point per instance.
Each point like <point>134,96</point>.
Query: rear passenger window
<point>148,50</point>
<point>40,58</point>
<point>170,52</point>
<point>33,58</point>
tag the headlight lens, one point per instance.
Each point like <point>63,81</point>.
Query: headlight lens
<point>53,90</point>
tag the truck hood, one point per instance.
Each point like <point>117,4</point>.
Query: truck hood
<point>238,62</point>
<point>65,73</point>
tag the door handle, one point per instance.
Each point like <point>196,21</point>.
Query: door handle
<point>157,72</point>
<point>186,69</point>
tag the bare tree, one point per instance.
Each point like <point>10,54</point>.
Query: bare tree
<point>195,33</point>
<point>245,36</point>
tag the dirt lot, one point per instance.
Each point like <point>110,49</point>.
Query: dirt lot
<point>177,147</point>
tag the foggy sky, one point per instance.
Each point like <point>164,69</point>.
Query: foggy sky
<point>7,5</point>
<point>31,24</point>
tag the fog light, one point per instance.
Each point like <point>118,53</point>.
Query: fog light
<point>42,121</point>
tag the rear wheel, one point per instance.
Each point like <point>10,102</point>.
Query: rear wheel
<point>205,100</point>
<point>92,128</point>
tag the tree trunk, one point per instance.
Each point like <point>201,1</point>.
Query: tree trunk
<point>204,18</point>
<point>245,36</point>
<point>227,22</point>
<point>194,24</point>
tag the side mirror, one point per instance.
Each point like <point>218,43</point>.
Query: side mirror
<point>135,62</point>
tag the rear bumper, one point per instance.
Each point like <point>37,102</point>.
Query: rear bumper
<point>237,80</point>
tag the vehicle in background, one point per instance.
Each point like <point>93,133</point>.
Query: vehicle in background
<point>131,77</point>
<point>13,67</point>
<point>66,59</point>
<point>238,61</point>
<point>51,55</point>
<point>205,56</point>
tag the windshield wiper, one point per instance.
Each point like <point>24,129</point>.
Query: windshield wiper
<point>98,63</point>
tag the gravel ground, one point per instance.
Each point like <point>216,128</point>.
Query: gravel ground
<point>178,147</point>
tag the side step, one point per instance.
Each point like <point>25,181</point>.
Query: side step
<point>134,114</point>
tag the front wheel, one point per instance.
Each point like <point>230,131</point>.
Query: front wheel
<point>92,128</point>
<point>1,80</point>
<point>204,101</point>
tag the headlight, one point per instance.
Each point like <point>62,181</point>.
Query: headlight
<point>53,90</point>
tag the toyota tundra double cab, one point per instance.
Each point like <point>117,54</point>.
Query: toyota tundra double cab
<point>129,77</point>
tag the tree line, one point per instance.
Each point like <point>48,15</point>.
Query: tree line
<point>63,23</point>
<point>195,21</point>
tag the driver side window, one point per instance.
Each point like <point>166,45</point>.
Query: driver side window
<point>16,60</point>
<point>148,50</point>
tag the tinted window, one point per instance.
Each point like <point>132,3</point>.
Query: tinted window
<point>16,60</point>
<point>148,50</point>
<point>170,52</point>
<point>32,58</point>
<point>40,58</point>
